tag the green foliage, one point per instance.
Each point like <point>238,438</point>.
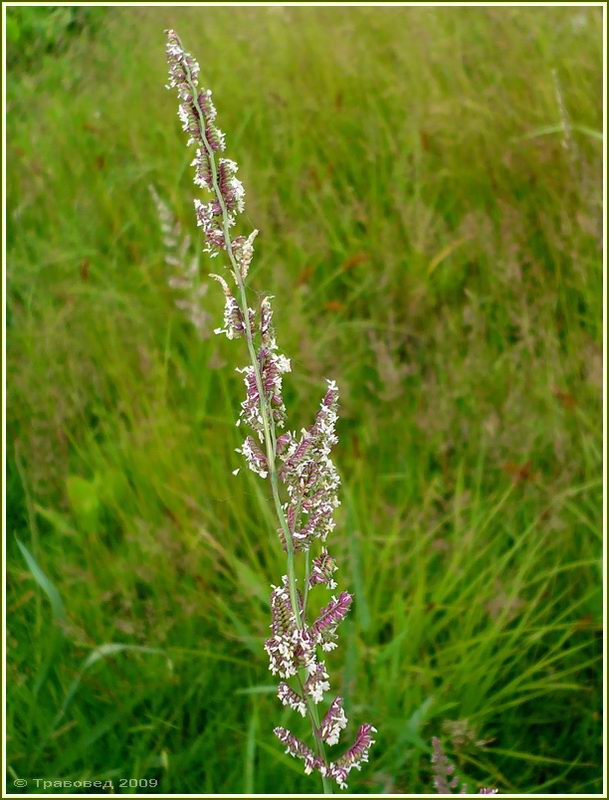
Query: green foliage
<point>59,613</point>
<point>431,230</point>
<point>32,32</point>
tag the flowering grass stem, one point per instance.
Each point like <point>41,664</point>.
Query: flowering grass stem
<point>268,423</point>
<point>307,472</point>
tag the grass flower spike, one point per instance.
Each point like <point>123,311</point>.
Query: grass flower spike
<point>183,265</point>
<point>444,778</point>
<point>303,480</point>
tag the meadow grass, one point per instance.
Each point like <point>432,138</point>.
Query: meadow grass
<point>431,230</point>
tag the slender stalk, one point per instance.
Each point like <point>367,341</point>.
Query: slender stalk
<point>267,422</point>
<point>306,578</point>
<point>319,743</point>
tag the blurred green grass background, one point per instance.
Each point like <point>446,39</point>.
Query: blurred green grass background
<point>427,183</point>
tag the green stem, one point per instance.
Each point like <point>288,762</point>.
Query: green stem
<point>319,742</point>
<point>268,422</point>
<point>306,580</point>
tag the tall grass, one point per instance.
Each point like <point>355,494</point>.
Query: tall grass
<point>433,244</point>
